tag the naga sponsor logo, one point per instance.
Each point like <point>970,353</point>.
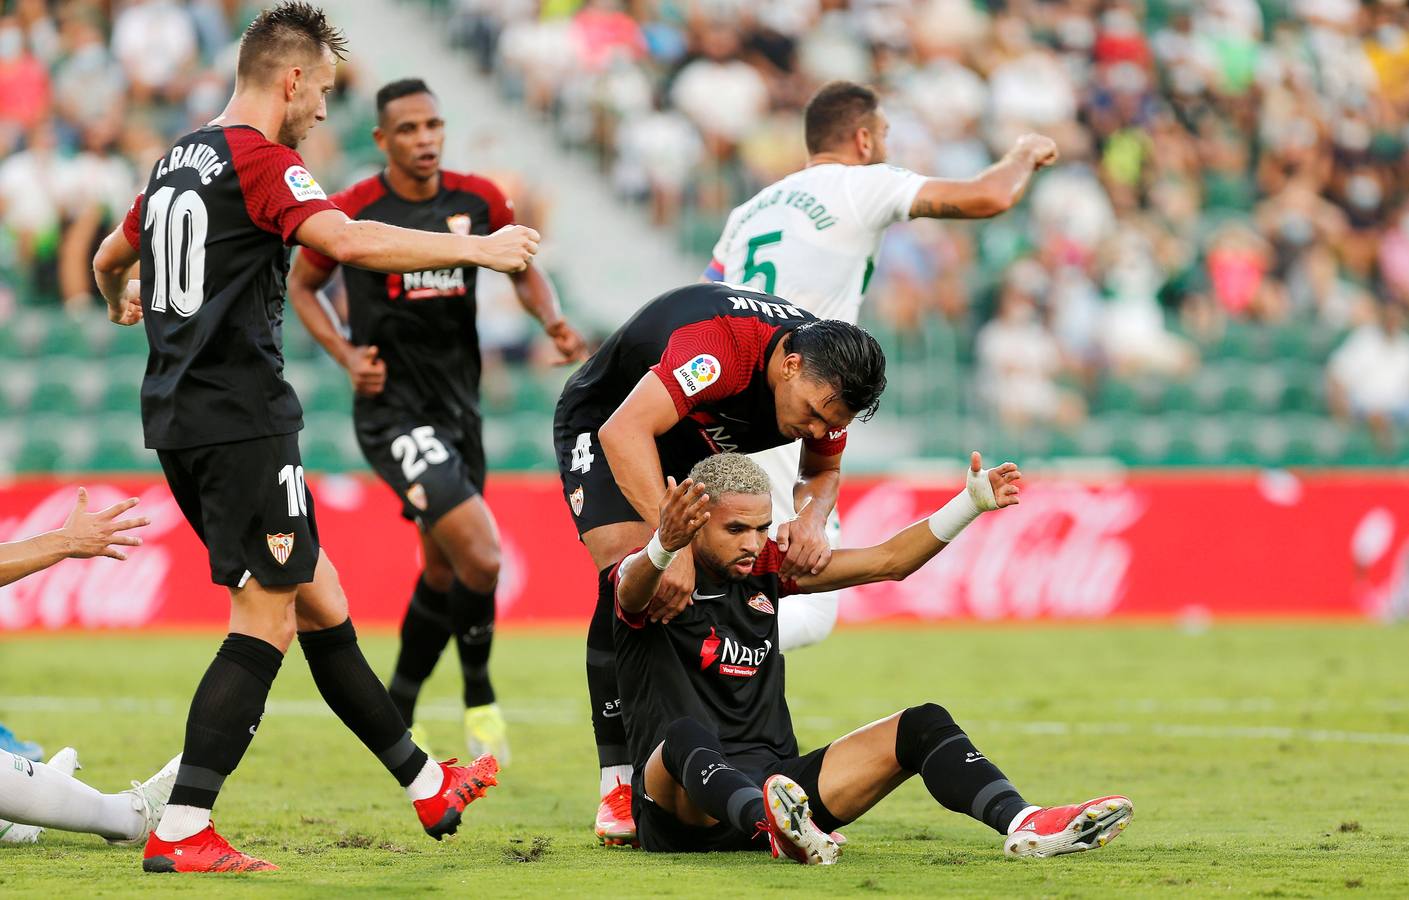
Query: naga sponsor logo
<point>201,157</point>
<point>717,436</point>
<point>775,310</point>
<point>697,374</point>
<point>733,657</point>
<point>423,285</point>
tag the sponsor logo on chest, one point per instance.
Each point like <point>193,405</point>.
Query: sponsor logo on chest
<point>425,285</point>
<point>734,658</point>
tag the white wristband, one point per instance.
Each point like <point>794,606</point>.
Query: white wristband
<point>658,555</point>
<point>953,517</point>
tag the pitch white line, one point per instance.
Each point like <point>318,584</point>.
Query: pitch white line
<point>563,713</point>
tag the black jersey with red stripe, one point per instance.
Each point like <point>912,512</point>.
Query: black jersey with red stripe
<point>422,323</point>
<point>709,344</point>
<point>717,662</point>
<point>212,229</point>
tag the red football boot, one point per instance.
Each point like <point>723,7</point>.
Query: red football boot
<point>791,831</point>
<point>1070,829</point>
<point>462,785</point>
<point>615,825</point>
<point>204,851</point>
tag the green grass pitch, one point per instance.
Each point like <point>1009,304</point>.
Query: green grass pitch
<point>1268,760</point>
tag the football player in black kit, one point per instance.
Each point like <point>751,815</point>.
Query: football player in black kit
<point>211,232</point>
<point>413,357</point>
<point>717,764</point>
<point>699,370</point>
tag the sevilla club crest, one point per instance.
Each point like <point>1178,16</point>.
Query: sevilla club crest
<point>458,224</point>
<point>761,603</point>
<point>280,545</point>
<point>417,495</point>
<point>575,500</point>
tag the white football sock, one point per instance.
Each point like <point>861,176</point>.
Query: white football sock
<point>1018,819</point>
<point>37,794</point>
<point>610,774</point>
<point>427,782</point>
<point>180,822</point>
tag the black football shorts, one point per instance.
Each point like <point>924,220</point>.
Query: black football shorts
<point>430,466</point>
<point>249,506</point>
<point>661,832</point>
<point>588,485</point>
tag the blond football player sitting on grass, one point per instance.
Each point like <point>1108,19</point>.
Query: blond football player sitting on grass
<point>717,763</point>
<point>33,795</point>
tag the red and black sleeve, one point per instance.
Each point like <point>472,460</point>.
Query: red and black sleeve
<point>351,201</point>
<point>501,208</point>
<point>132,224</point>
<point>769,562</point>
<point>710,360</point>
<point>280,194</point>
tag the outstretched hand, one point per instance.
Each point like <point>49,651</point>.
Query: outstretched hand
<point>993,488</point>
<point>92,534</point>
<point>682,513</point>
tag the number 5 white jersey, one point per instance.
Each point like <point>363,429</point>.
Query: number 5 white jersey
<point>812,237</point>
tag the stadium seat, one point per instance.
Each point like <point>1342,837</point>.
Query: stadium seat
<point>1117,396</point>
<point>39,454</point>
<point>331,393</point>
<point>1178,397</point>
<point>121,396</point>
<point>54,397</point>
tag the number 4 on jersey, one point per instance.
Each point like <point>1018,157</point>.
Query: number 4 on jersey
<point>582,457</point>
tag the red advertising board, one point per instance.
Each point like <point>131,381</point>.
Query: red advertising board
<point>1235,544</point>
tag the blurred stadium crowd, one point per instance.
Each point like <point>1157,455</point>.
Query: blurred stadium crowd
<point>1218,271</point>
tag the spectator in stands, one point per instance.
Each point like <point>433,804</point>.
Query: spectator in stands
<point>1368,375</point>
<point>155,41</point>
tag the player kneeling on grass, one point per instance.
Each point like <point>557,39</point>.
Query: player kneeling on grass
<point>717,762</point>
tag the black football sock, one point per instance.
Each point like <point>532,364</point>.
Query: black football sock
<point>607,724</point>
<point>425,631</point>
<point>473,616</point>
<point>225,712</point>
<point>694,757</point>
<point>928,742</point>
<point>352,691</point>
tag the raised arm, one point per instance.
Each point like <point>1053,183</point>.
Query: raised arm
<point>388,248</point>
<point>681,513</point>
<point>994,190</point>
<point>905,552</point>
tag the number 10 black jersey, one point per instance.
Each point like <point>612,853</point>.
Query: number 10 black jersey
<point>213,228</point>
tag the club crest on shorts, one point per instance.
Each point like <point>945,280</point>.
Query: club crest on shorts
<point>575,500</point>
<point>280,545</point>
<point>761,603</point>
<point>417,495</point>
<point>458,224</point>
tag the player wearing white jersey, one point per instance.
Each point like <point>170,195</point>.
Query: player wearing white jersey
<point>812,238</point>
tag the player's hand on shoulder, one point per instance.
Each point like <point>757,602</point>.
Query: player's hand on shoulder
<point>803,543</point>
<point>366,371</point>
<point>993,488</point>
<point>1039,148</point>
<point>510,249</point>
<point>93,534</point>
<point>129,310</point>
<point>568,341</point>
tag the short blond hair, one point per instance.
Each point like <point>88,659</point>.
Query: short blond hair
<point>730,473</point>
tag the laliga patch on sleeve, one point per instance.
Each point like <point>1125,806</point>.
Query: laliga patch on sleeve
<point>697,374</point>
<point>302,185</point>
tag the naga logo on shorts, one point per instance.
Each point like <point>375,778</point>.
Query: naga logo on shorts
<point>761,603</point>
<point>458,224</point>
<point>697,374</point>
<point>280,545</point>
<point>575,501</point>
<point>417,495</point>
<point>302,185</point>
